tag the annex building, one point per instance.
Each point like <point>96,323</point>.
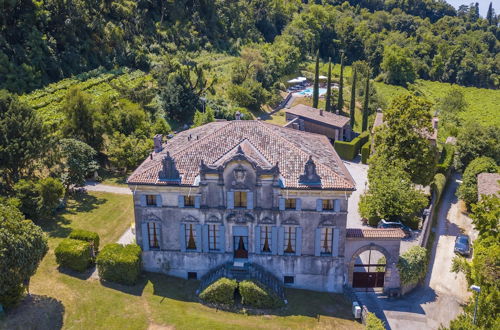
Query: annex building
<point>249,192</point>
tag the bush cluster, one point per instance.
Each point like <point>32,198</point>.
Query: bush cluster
<point>365,152</point>
<point>349,150</point>
<point>373,322</point>
<point>446,160</point>
<point>255,295</point>
<point>120,263</point>
<point>74,254</point>
<point>85,235</point>
<point>220,292</point>
<point>412,265</point>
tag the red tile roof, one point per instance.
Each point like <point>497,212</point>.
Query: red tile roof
<point>266,144</point>
<point>488,184</point>
<point>329,118</point>
<point>375,233</point>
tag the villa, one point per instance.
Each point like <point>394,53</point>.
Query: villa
<point>249,192</point>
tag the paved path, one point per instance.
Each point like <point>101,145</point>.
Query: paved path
<point>96,186</point>
<point>359,173</point>
<point>439,300</point>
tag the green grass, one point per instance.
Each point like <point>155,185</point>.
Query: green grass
<point>76,301</point>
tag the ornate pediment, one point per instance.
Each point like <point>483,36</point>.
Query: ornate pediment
<point>310,177</point>
<point>327,221</point>
<point>150,217</point>
<point>169,172</point>
<point>240,217</point>
<point>267,221</point>
<point>213,218</point>
<point>290,221</point>
<point>190,218</point>
<point>239,180</point>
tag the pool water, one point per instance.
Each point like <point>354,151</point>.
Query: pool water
<point>309,91</point>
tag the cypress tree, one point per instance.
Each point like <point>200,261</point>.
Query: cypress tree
<point>316,82</point>
<point>490,15</point>
<point>328,106</point>
<point>340,104</point>
<point>353,98</point>
<point>364,125</point>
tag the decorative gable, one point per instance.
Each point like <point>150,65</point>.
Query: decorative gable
<point>169,172</point>
<point>310,177</point>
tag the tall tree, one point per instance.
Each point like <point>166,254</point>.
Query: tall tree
<point>364,124</point>
<point>316,82</point>
<point>22,138</point>
<point>490,15</point>
<point>340,100</point>
<point>352,107</point>
<point>328,106</point>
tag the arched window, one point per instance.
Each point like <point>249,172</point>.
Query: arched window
<point>265,239</point>
<point>154,235</point>
<point>290,239</point>
<point>190,237</point>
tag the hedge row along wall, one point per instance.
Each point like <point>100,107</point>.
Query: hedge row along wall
<point>74,254</point>
<point>349,150</point>
<point>120,263</point>
<point>365,152</point>
<point>446,160</point>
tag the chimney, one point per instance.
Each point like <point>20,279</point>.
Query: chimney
<point>151,156</point>
<point>237,115</point>
<point>321,112</point>
<point>337,112</point>
<point>158,143</point>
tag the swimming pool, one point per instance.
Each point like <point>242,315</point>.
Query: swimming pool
<point>309,91</point>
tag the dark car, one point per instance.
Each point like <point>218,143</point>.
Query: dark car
<point>387,224</point>
<point>462,245</point>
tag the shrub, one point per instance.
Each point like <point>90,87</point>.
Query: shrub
<point>468,189</point>
<point>349,150</point>
<point>220,292</point>
<point>85,235</point>
<point>373,322</point>
<point>412,265</point>
<point>256,295</point>
<point>373,221</point>
<point>74,254</point>
<point>438,185</point>
<point>365,152</point>
<point>120,263</point>
<point>446,160</point>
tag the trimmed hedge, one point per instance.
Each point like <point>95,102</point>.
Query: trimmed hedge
<point>120,263</point>
<point>349,150</point>
<point>74,254</point>
<point>220,292</point>
<point>438,185</point>
<point>85,235</point>
<point>446,160</point>
<point>365,152</point>
<point>255,295</point>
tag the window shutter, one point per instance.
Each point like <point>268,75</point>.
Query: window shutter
<point>145,236</point>
<point>159,201</point>
<point>335,242</point>
<point>181,201</point>
<point>142,200</point>
<point>182,237</point>
<point>298,204</point>
<point>281,240</point>
<point>336,206</point>
<point>197,202</point>
<point>205,238</point>
<point>298,241</point>
<point>198,238</point>
<point>282,204</point>
<point>274,240</point>
<point>222,239</point>
<point>257,240</point>
<point>250,200</point>
<point>230,200</point>
<point>317,243</point>
<point>319,205</point>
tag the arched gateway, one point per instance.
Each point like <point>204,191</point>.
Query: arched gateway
<point>363,256</point>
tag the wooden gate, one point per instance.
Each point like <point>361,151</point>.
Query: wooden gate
<point>368,279</point>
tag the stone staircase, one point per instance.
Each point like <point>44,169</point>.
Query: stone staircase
<point>241,271</point>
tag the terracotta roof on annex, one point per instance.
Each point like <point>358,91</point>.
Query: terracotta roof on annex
<point>488,184</point>
<point>264,143</point>
<point>329,118</point>
<point>375,233</point>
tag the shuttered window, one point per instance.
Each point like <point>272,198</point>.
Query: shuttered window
<point>188,201</point>
<point>213,236</point>
<point>190,237</point>
<point>290,203</point>
<point>240,199</point>
<point>328,204</point>
<point>265,239</point>
<point>153,235</point>
<point>290,237</point>
<point>151,200</point>
<point>326,240</point>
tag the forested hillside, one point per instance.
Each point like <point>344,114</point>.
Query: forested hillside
<point>45,41</point>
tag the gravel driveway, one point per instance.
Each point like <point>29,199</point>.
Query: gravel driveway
<point>359,173</point>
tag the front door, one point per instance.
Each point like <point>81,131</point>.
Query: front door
<point>240,244</point>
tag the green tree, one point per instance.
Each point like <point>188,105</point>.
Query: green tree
<point>490,15</point>
<point>328,105</point>
<point>22,138</point>
<point>366,110</point>
<point>391,194</point>
<point>451,106</point>
<point>403,138</point>
<point>486,216</point>
<point>201,118</point>
<point>316,82</point>
<point>22,246</point>
<point>397,66</point>
<point>51,190</point>
<point>352,108</point>
<point>340,99</point>
<point>76,162</point>
<point>412,265</point>
<point>81,119</point>
<point>249,95</point>
<point>126,152</point>
<point>474,141</point>
<point>161,126</point>
<point>468,189</point>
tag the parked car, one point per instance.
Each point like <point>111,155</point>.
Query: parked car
<point>462,245</point>
<point>387,224</point>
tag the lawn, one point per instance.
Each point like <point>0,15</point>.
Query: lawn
<point>79,301</point>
